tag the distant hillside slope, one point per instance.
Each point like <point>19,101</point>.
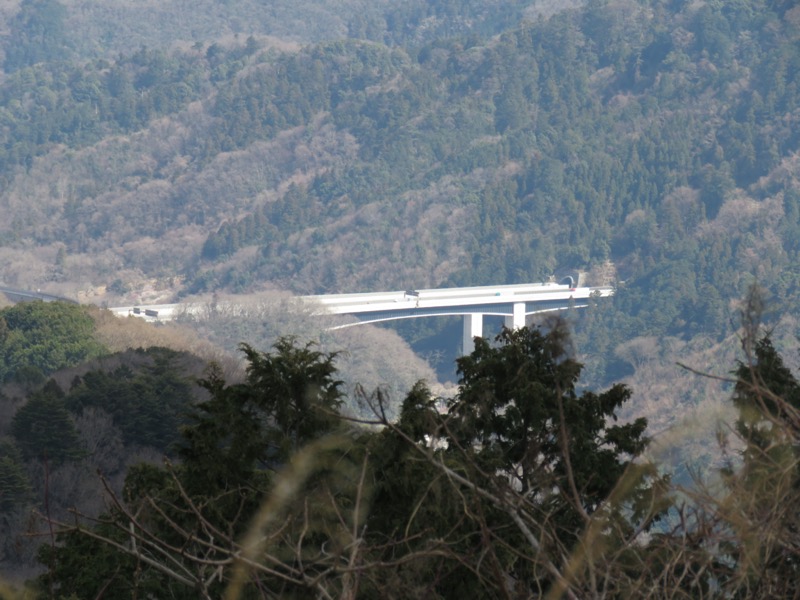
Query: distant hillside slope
<point>107,28</point>
<point>657,144</point>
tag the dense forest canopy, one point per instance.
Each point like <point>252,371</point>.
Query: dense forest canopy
<point>524,485</point>
<point>242,447</point>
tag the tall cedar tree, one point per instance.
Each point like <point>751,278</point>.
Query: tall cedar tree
<point>765,491</point>
<point>519,431</point>
<point>185,513</point>
<point>429,507</point>
<point>518,414</point>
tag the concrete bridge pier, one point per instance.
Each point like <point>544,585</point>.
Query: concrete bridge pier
<point>473,327</point>
<point>517,319</point>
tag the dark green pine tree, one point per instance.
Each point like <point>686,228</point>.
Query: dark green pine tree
<point>189,516</point>
<point>511,107</point>
<point>519,410</point>
<point>44,429</point>
<point>296,387</point>
<point>765,488</point>
<point>765,391</point>
<point>15,489</point>
<point>401,473</point>
<point>519,420</point>
<point>224,445</point>
<point>518,442</point>
<point>290,397</point>
<point>37,35</point>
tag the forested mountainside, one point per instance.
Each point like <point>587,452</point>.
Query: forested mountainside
<point>648,143</point>
<point>658,137</point>
<point>93,28</point>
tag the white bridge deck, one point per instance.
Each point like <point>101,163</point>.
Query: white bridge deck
<point>460,299</point>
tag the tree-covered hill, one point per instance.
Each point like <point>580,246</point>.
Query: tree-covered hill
<point>92,29</point>
<point>648,144</point>
<point>524,487</point>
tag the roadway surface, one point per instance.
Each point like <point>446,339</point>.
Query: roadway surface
<point>17,295</point>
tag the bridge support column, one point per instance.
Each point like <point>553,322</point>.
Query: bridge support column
<point>517,319</point>
<point>473,327</point>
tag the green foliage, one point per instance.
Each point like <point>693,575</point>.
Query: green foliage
<point>517,429</point>
<point>402,476</point>
<point>540,146</point>
<point>765,389</point>
<point>519,405</point>
<point>558,211</point>
<point>290,397</point>
<point>236,440</point>
<point>767,397</point>
<point>44,336</point>
<point>78,105</point>
<point>15,488</point>
<point>38,34</point>
<point>44,429</point>
<point>148,396</point>
<point>524,486</point>
<point>764,490</point>
<point>68,576</point>
<point>297,387</point>
<point>662,136</point>
<point>224,445</point>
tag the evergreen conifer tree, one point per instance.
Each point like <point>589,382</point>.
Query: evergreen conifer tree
<point>44,429</point>
<point>762,506</point>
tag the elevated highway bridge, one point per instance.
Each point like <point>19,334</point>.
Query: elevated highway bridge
<point>513,302</point>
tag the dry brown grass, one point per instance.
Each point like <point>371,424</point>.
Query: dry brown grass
<point>118,334</point>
